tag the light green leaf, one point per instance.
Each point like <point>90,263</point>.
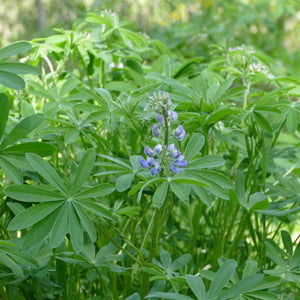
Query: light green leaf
<point>10,171</point>
<point>4,112</point>
<point>22,129</point>
<point>86,221</point>
<point>28,193</point>
<point>60,226</point>
<point>262,122</point>
<point>96,191</point>
<point>15,48</point>
<point>197,286</point>
<point>19,68</point>
<point>33,215</point>
<point>6,260</point>
<point>208,161</point>
<point>96,208</point>
<point>173,296</point>
<point>120,86</point>
<point>47,171</point>
<point>11,80</point>
<point>295,260</point>
<point>221,278</point>
<point>40,148</point>
<point>84,170</point>
<point>75,230</point>
<point>124,182</point>
<point>182,191</point>
<point>194,145</point>
<point>160,194</point>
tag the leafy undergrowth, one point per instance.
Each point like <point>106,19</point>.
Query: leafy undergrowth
<point>127,173</point>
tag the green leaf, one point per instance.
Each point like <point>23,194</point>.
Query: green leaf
<point>165,258</point>
<point>6,260</point>
<point>75,230</point>
<point>120,86</point>
<point>208,161</point>
<point>19,68</point>
<point>22,129</point>
<point>240,189</point>
<point>266,283</point>
<point>69,85</point>
<point>241,286</point>
<point>221,278</point>
<point>274,252</point>
<point>189,180</point>
<point>224,86</point>
<point>11,171</point>
<point>220,115</point>
<point>257,201</point>
<point>4,112</point>
<point>71,135</point>
<point>86,221</point>
<point>173,296</point>
<point>124,182</point>
<point>15,48</point>
<point>182,191</point>
<point>84,170</point>
<point>262,122</point>
<point>39,231</point>
<point>60,226</point>
<point>295,260</point>
<point>291,120</point>
<point>287,241</point>
<point>181,261</point>
<point>11,80</point>
<point>202,194</point>
<point>47,171</point>
<point>33,215</point>
<point>160,194</point>
<point>40,148</point>
<point>197,286</point>
<point>28,193</point>
<point>96,191</point>
<point>250,268</point>
<point>96,208</point>
<point>194,145</point>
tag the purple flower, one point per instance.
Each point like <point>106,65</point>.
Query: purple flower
<point>148,151</point>
<point>171,148</point>
<point>181,137</point>
<point>173,115</point>
<point>180,163</point>
<point>155,130</point>
<point>174,169</point>
<point>158,148</point>
<point>144,163</point>
<point>178,132</point>
<point>160,119</point>
<point>169,101</point>
<point>175,154</point>
<point>156,169</point>
<point>150,161</point>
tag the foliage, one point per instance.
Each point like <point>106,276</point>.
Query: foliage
<point>129,171</point>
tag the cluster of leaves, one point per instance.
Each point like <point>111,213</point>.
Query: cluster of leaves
<point>80,219</point>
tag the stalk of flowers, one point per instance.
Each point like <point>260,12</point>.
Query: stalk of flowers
<point>164,157</point>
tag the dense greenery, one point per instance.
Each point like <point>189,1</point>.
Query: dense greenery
<point>86,213</point>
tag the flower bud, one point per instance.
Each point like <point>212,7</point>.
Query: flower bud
<point>160,119</point>
<point>155,130</point>
<point>150,161</point>
<point>180,163</point>
<point>171,148</point>
<point>174,169</point>
<point>181,137</point>
<point>169,101</point>
<point>173,115</point>
<point>148,151</point>
<point>175,154</point>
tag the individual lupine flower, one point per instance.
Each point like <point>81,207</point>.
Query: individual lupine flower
<point>148,151</point>
<point>155,130</point>
<point>180,162</point>
<point>167,97</point>
<point>158,148</point>
<point>173,115</point>
<point>179,132</point>
<point>156,168</point>
<point>174,169</point>
<point>146,164</point>
<point>160,119</point>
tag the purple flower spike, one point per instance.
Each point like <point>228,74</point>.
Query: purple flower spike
<point>173,115</point>
<point>160,119</point>
<point>148,151</point>
<point>158,148</point>
<point>178,132</point>
<point>144,163</point>
<point>155,130</point>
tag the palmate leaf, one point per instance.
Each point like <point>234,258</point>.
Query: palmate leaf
<point>59,212</point>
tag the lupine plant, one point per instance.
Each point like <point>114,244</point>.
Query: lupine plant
<point>128,173</point>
